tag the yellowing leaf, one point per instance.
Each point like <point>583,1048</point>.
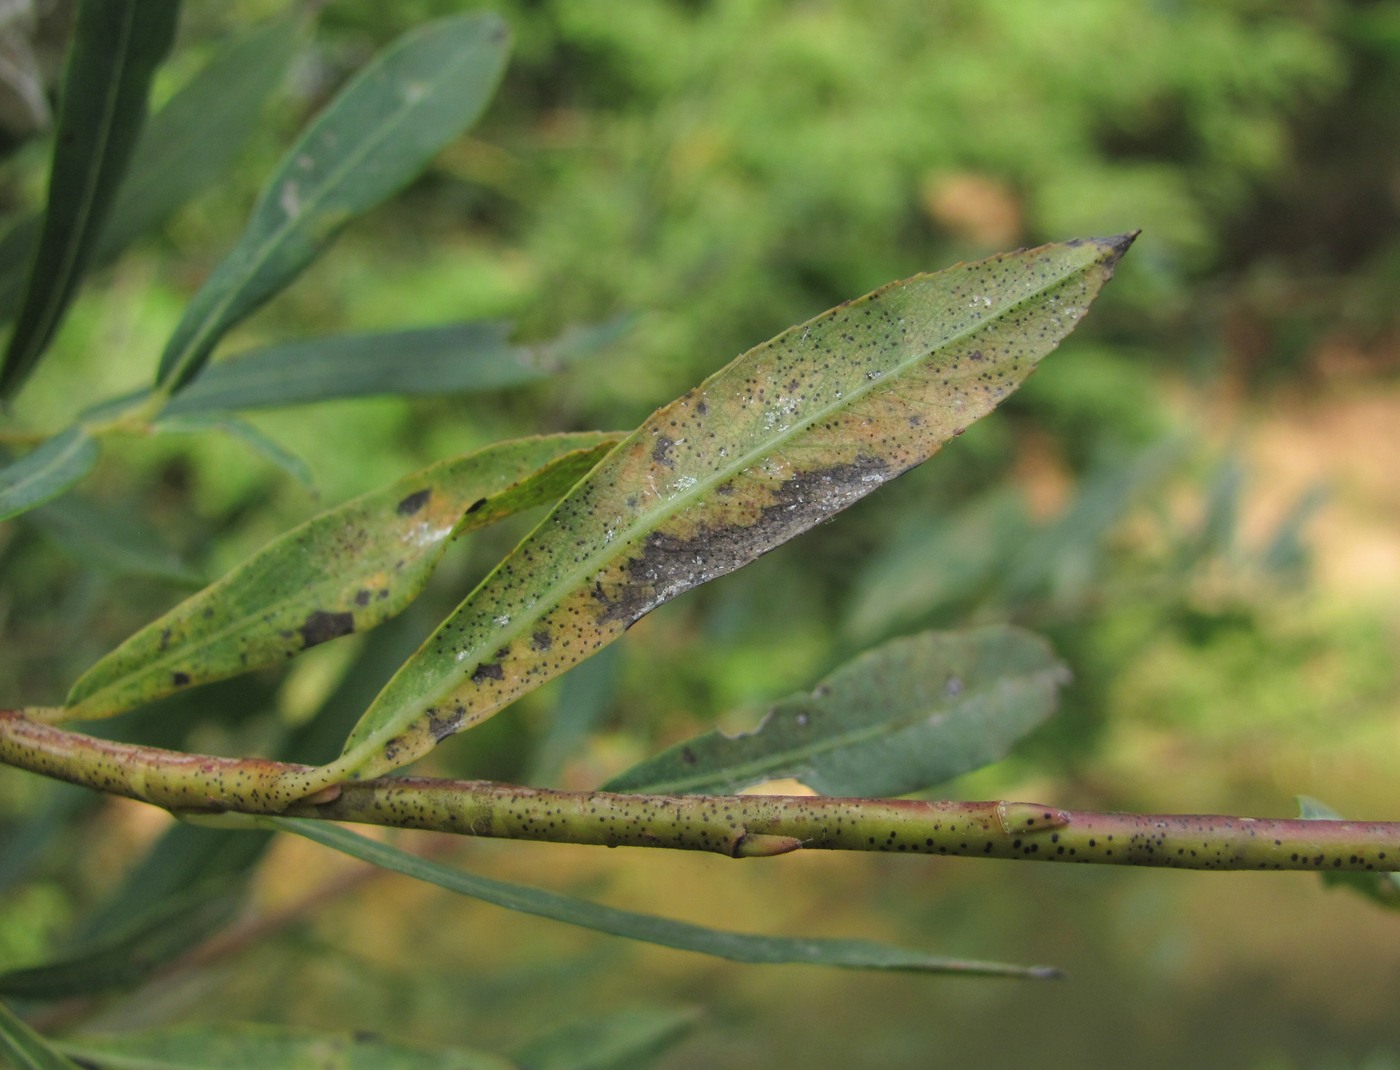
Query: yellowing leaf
<point>346,570</point>
<point>787,435</point>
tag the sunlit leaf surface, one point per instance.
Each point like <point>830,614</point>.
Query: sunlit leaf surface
<point>786,436</point>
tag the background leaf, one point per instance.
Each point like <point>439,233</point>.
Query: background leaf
<point>616,1041</point>
<point>46,471</point>
<point>240,1046</point>
<point>786,436</point>
<point>255,439</point>
<point>110,539</point>
<point>190,143</point>
<point>346,570</point>
<point>26,1049</point>
<point>117,46</point>
<point>905,716</point>
<point>740,947</point>
<point>1381,888</point>
<point>433,361</point>
<point>381,130</point>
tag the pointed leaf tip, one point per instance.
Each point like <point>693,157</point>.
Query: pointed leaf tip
<point>786,436</point>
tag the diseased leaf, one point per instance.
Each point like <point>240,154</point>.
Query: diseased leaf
<point>343,571</point>
<point>908,715</point>
<point>46,471</point>
<point>615,1041</point>
<point>183,148</point>
<point>26,1049</point>
<point>117,46</point>
<point>784,437</point>
<point>738,947</point>
<point>379,132</point>
<point>239,1046</point>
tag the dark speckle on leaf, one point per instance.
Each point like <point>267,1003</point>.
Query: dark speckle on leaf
<point>414,502</point>
<point>321,627</point>
<point>180,679</point>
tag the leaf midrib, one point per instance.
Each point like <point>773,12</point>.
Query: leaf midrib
<point>573,579</point>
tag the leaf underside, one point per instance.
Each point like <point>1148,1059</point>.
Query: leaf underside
<point>908,715</point>
<point>783,438</point>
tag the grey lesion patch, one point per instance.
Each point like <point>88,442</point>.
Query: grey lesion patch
<point>670,564</point>
<point>542,640</point>
<point>661,452</point>
<point>414,502</point>
<point>489,671</point>
<point>321,627</point>
<point>442,725</point>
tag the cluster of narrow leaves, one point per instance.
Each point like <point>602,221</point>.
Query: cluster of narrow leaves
<point>785,437</point>
<point>114,175</point>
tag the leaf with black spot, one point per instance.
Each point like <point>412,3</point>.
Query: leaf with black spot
<point>786,436</point>
<point>346,570</point>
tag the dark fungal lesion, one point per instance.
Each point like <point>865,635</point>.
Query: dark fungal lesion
<point>414,502</point>
<point>321,626</point>
<point>488,671</point>
<point>670,564</point>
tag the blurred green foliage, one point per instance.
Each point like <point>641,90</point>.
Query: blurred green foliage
<point>722,171</point>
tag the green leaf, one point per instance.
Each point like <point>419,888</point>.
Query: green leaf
<point>786,436</point>
<point>188,144</point>
<point>46,471</point>
<point>738,947</point>
<point>382,129</point>
<point>194,139</point>
<point>249,1046</point>
<point>26,1049</point>
<point>260,443</point>
<point>455,358</point>
<point>343,571</point>
<point>908,715</point>
<point>616,1041</point>
<point>191,883</point>
<point>117,46</point>
<point>130,955</point>
<point>1380,888</point>
<point>103,538</point>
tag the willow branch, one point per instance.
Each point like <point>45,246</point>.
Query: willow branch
<point>738,826</point>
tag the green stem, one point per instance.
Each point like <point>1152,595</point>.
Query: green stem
<point>739,825</point>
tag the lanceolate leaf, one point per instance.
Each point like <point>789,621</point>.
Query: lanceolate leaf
<point>380,131</point>
<point>239,1046</point>
<point>254,438</point>
<point>454,358</point>
<point>117,46</point>
<point>344,571</point>
<point>739,947</point>
<point>46,471</point>
<point>26,1049</point>
<point>183,147</point>
<point>786,436</point>
<point>905,716</point>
